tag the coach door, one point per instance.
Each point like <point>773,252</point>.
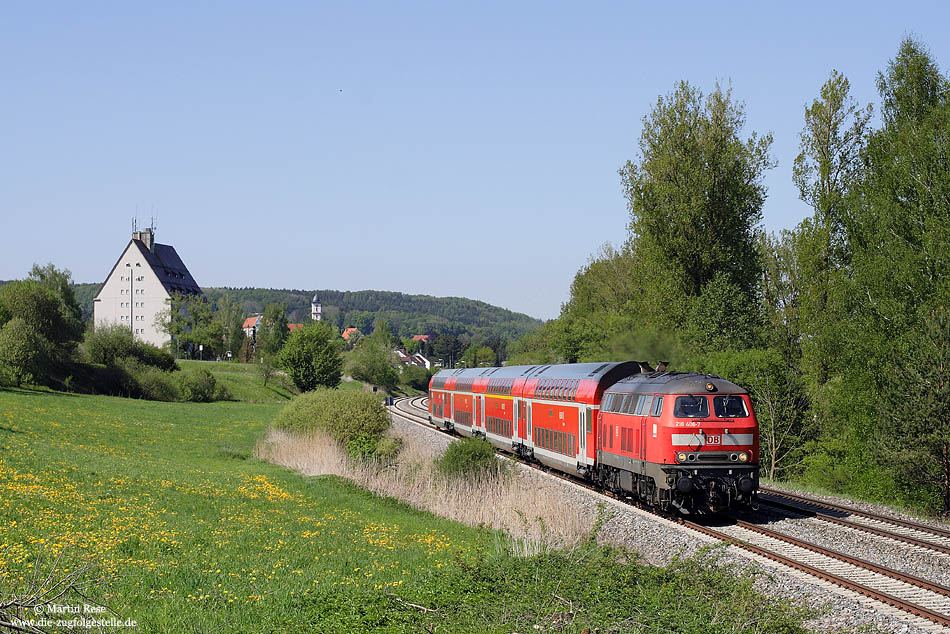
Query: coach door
<point>476,412</point>
<point>582,414</point>
<point>480,419</point>
<point>590,444</point>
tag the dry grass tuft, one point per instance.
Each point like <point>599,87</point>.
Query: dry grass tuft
<point>534,513</point>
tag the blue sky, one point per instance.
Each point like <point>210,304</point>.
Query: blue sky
<point>440,148</point>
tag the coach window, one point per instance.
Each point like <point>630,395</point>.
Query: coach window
<point>645,403</point>
<point>691,407</point>
<point>590,422</point>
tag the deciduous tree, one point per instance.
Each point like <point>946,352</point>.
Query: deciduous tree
<point>824,172</point>
<point>311,357</point>
<point>696,192</point>
<point>21,352</point>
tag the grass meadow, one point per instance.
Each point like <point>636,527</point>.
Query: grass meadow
<point>187,531</point>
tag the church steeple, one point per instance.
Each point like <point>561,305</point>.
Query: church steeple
<point>316,310</point>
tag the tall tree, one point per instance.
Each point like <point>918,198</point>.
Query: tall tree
<point>372,360</point>
<point>696,193</point>
<point>900,234</point>
<point>779,292</point>
<point>189,321</point>
<point>274,331</point>
<point>230,316</point>
<point>824,172</point>
<point>917,407</point>
<point>60,282</point>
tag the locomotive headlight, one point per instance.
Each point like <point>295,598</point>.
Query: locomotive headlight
<point>681,456</point>
<point>743,457</point>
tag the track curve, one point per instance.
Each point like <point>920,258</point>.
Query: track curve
<point>910,594</point>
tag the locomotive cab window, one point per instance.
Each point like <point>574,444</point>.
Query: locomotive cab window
<point>729,407</point>
<point>657,406</point>
<point>691,407</point>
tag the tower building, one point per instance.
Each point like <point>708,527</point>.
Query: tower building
<point>316,310</point>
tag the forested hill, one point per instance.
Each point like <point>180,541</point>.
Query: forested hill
<point>406,314</point>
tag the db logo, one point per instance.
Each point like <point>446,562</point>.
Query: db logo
<point>713,440</point>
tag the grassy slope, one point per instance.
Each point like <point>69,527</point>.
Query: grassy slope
<point>246,384</point>
<point>204,537</point>
<point>244,381</point>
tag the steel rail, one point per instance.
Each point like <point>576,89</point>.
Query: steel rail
<point>883,597</point>
<point>880,532</point>
<point>924,528</point>
<point>877,595</point>
<point>848,559</point>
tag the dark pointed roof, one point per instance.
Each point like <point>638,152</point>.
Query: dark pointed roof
<point>169,268</point>
<point>164,261</point>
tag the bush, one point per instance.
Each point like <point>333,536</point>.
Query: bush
<point>21,353</point>
<point>415,377</point>
<point>154,356</point>
<point>469,457</point>
<point>137,380</point>
<point>106,344</point>
<point>198,386</point>
<point>222,393</point>
<point>356,420</point>
<point>156,385</point>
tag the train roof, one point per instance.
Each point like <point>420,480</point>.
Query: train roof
<point>675,383</point>
<point>554,371</point>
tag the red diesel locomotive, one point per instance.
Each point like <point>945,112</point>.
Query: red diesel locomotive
<point>675,440</point>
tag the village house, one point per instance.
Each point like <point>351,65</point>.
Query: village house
<point>140,285</point>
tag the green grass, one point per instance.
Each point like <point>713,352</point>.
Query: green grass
<point>244,381</point>
<point>199,536</point>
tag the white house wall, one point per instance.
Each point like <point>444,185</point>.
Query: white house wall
<point>134,304</point>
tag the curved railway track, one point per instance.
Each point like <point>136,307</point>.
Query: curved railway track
<point>914,533</point>
<point>910,594</point>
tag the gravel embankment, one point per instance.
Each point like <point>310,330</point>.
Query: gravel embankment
<point>912,560</point>
<point>658,541</point>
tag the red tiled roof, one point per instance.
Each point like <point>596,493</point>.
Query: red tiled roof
<point>348,332</point>
<point>250,322</point>
<point>294,327</point>
<point>421,338</point>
